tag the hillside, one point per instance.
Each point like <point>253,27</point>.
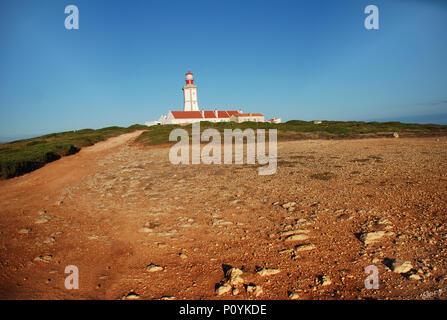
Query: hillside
<point>23,156</point>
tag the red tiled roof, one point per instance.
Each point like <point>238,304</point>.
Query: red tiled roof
<point>223,114</point>
<point>232,112</point>
<point>187,114</point>
<point>209,114</point>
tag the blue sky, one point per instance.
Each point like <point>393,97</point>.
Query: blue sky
<point>293,59</point>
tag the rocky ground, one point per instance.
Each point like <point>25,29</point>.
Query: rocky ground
<point>138,227</point>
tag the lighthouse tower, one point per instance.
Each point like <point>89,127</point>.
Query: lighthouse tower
<point>190,94</point>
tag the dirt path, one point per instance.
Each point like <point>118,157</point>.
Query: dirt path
<point>116,208</point>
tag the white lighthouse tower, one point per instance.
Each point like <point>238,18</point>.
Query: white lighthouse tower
<point>190,94</point>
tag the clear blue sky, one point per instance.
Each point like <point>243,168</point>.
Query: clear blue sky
<point>294,59</point>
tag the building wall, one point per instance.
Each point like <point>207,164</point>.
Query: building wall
<point>244,119</point>
<point>190,98</point>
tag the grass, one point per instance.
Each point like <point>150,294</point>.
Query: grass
<point>296,129</point>
<point>20,157</point>
<point>23,156</point>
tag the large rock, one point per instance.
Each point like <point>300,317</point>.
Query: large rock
<point>297,237</point>
<point>400,266</point>
<point>372,237</point>
<point>234,276</point>
<point>223,289</point>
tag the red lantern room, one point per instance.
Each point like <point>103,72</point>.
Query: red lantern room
<point>189,78</point>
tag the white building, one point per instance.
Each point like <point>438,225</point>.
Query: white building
<point>274,120</point>
<point>243,117</point>
<point>191,112</point>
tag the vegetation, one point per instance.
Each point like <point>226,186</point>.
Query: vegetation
<point>22,156</point>
<point>296,129</point>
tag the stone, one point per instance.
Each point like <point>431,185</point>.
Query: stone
<point>268,272</point>
<point>145,230</point>
<point>234,276</point>
<point>291,232</point>
<point>42,220</point>
<point>221,223</point>
<point>288,205</point>
<point>297,237</point>
<point>153,268</point>
<point>372,237</point>
<point>294,296</point>
<point>323,280</point>
<point>305,247</point>
<point>132,296</point>
<point>284,251</point>
<point>255,290</point>
<point>223,289</point>
<point>46,258</point>
<point>415,277</point>
<point>400,266</point>
<point>25,231</point>
<point>183,256</point>
<point>395,135</point>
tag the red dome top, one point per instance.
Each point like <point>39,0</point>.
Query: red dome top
<point>189,72</point>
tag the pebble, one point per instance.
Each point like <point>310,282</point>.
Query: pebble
<point>297,237</point>
<point>305,247</point>
<point>372,237</point>
<point>400,266</point>
<point>415,277</point>
<point>288,205</point>
<point>153,268</point>
<point>255,290</point>
<point>291,232</point>
<point>132,296</point>
<point>294,296</point>
<point>223,289</point>
<point>183,256</point>
<point>323,280</point>
<point>234,276</point>
<point>268,272</point>
<point>46,258</point>
<point>24,231</point>
<point>42,220</point>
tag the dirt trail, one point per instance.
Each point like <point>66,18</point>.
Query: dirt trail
<point>115,208</point>
<point>67,169</point>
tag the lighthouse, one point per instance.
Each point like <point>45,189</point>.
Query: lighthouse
<point>190,94</point>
